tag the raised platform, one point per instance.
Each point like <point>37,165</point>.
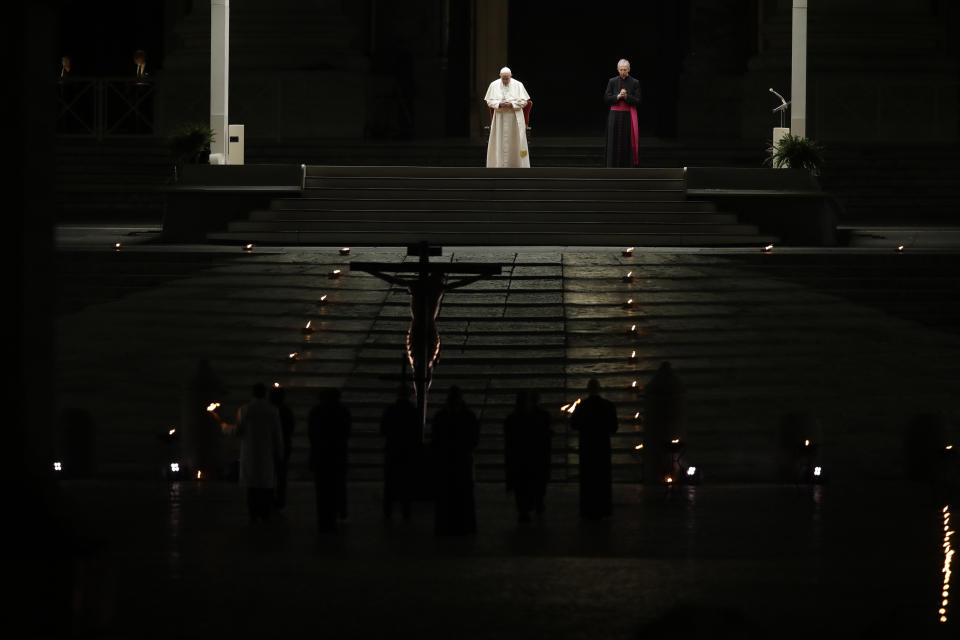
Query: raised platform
<point>542,206</point>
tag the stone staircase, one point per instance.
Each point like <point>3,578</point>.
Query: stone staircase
<point>863,340</point>
<point>494,207</point>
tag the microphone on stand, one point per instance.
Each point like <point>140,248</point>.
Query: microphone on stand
<point>783,102</point>
<point>782,107</point>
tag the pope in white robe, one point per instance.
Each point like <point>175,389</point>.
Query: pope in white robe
<point>507,146</point>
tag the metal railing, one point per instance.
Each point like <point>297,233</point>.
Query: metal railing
<point>105,107</point>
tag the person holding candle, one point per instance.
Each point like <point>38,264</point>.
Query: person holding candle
<point>261,450</point>
<point>595,420</point>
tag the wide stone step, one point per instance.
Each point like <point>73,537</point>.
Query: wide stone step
<point>606,216</point>
<point>324,171</point>
<point>473,226</point>
<point>493,183</point>
<point>700,237</point>
<point>514,194</point>
<point>639,202</point>
<point>476,206</point>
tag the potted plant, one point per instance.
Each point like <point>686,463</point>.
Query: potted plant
<point>191,144</point>
<point>796,152</point>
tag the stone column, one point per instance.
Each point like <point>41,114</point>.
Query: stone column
<point>219,74</point>
<point>492,19</point>
<point>798,70</point>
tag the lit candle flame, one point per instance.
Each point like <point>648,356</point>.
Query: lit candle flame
<point>171,432</point>
<point>633,328</point>
<point>345,251</point>
<point>117,246</point>
<point>900,248</point>
<point>323,298</point>
<point>639,447</point>
<point>213,406</point>
<point>570,408</point>
<point>199,475</point>
<point>294,355</point>
<point>335,273</point>
<point>767,248</point>
<point>806,443</point>
<point>633,354</point>
<point>948,552</point>
<point>628,252</point>
<point>675,441</point>
<point>668,480</point>
<point>276,385</point>
<point>248,247</point>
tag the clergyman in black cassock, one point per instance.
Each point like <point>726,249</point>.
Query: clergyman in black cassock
<point>595,420</point>
<point>278,399</point>
<point>400,427</point>
<point>328,426</point>
<point>623,98</point>
<point>526,434</point>
<point>455,435</point>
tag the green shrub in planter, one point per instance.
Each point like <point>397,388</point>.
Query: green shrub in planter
<point>190,143</point>
<point>796,152</point>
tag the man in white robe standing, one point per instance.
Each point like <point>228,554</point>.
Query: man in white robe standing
<point>261,450</point>
<point>507,146</point>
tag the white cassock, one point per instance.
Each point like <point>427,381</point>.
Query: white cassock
<point>508,131</point>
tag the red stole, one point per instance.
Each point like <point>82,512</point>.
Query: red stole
<point>634,128</point>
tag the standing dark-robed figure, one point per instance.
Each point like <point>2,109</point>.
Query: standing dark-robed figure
<point>526,435</point>
<point>623,97</point>
<point>278,399</point>
<point>595,419</point>
<point>328,428</point>
<point>456,432</point>
<point>400,428</point>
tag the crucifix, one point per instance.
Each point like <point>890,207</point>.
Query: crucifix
<point>426,288</point>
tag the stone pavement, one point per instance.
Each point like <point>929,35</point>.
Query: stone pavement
<point>179,560</point>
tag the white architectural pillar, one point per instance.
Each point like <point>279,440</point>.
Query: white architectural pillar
<point>798,70</point>
<point>219,76</point>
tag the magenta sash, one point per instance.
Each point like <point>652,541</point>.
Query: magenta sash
<point>634,128</point>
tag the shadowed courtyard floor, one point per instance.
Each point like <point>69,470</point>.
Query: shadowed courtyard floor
<point>864,339</point>
<point>180,560</point>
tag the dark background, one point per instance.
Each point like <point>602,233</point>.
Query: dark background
<point>566,57</point>
<point>100,37</point>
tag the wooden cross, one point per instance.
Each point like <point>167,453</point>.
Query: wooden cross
<point>426,290</point>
